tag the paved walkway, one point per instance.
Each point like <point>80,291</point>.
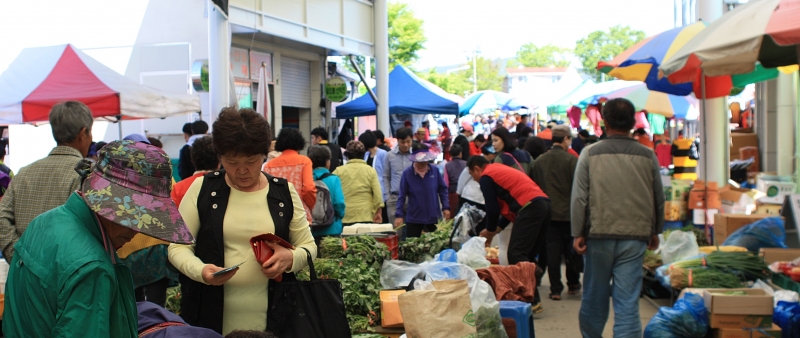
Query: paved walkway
<point>560,318</point>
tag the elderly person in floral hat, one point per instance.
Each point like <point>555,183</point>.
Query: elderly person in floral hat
<point>424,186</point>
<point>66,279</point>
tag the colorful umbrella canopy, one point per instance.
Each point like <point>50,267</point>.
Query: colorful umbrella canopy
<point>585,89</point>
<point>652,101</point>
<point>490,100</point>
<point>41,77</point>
<point>640,62</point>
<point>750,39</point>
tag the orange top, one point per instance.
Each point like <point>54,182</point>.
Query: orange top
<point>298,170</point>
<point>179,189</point>
<point>644,140</point>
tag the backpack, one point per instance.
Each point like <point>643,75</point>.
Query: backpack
<point>322,214</point>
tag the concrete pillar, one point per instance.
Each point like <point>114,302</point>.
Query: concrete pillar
<point>785,116</point>
<point>766,116</point>
<point>714,129</point>
<point>381,31</point>
<point>219,63</point>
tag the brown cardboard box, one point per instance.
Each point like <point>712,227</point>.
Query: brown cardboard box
<point>738,200</point>
<point>698,198</point>
<point>774,332</point>
<point>740,140</point>
<point>769,209</point>
<point>772,255</point>
<point>726,224</point>
<point>390,308</point>
<point>752,310</point>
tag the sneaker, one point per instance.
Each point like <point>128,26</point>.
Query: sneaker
<point>537,308</point>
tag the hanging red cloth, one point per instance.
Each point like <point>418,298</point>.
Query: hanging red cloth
<point>574,114</point>
<point>594,116</point>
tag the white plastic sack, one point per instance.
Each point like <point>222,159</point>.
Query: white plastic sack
<point>503,238</point>
<point>678,246</point>
<point>486,308</point>
<point>398,274</point>
<point>786,296</point>
<point>465,221</point>
<point>473,253</point>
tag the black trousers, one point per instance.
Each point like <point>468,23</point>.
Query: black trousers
<point>415,229</point>
<point>528,234</point>
<point>155,292</point>
<point>559,244</point>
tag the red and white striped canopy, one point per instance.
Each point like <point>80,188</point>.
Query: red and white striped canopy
<point>44,76</point>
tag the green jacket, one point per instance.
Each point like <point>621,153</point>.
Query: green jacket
<point>63,282</point>
<point>554,172</point>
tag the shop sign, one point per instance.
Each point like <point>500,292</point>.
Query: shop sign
<point>336,89</point>
<point>256,60</point>
<point>240,65</point>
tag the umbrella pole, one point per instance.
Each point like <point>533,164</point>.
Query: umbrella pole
<point>119,125</point>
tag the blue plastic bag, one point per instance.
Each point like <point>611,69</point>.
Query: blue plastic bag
<point>686,319</point>
<point>448,255</point>
<point>787,316</point>
<point>764,233</point>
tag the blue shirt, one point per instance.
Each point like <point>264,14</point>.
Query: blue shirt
<point>337,198</point>
<point>423,202</point>
<point>378,164</point>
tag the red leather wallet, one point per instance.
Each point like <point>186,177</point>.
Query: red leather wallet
<point>263,252</point>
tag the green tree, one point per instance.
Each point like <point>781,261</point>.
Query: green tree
<point>454,83</point>
<point>530,55</point>
<point>460,82</point>
<point>604,46</point>
<point>489,77</point>
<point>406,38</point>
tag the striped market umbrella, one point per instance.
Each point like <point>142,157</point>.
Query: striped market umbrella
<point>652,101</point>
<point>640,62</point>
<point>753,39</point>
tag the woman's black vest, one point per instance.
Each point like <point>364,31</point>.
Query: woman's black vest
<point>201,304</point>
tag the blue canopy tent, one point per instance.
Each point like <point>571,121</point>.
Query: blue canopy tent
<point>408,94</point>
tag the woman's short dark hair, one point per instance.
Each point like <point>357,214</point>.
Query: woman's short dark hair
<point>155,142</point>
<point>379,135</point>
<point>368,139</point>
<point>290,139</point>
<point>355,150</point>
<point>619,115</point>
<point>444,124</point>
<point>187,128</point>
<point>203,155</point>
<point>319,155</point>
<point>535,146</point>
<point>321,132</point>
<point>241,132</point>
<point>524,132</point>
<point>480,138</point>
<point>509,143</point>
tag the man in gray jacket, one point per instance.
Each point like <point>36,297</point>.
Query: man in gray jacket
<point>617,212</point>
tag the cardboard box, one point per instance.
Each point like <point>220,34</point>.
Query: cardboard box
<point>738,200</point>
<point>726,224</point>
<point>772,255</point>
<point>768,209</point>
<point>752,310</point>
<point>775,187</point>
<point>741,140</point>
<point>698,198</point>
<point>390,308</point>
<point>703,217</point>
<point>774,332</point>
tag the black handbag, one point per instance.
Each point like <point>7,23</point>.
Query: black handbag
<point>307,309</point>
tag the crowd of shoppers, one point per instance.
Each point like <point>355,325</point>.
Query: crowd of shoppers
<point>136,229</point>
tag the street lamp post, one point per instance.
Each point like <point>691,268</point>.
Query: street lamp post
<point>475,71</point>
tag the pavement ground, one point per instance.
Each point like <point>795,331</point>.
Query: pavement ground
<point>560,318</point>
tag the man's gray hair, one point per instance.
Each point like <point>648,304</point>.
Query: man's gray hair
<point>319,155</point>
<point>67,119</point>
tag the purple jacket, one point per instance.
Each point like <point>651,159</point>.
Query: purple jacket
<point>423,202</point>
<point>151,315</point>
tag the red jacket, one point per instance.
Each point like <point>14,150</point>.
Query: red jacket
<point>506,190</point>
<point>179,189</point>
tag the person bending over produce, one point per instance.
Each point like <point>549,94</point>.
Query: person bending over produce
<point>511,196</point>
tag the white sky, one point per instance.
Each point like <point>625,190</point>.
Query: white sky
<point>83,23</point>
<point>499,27</point>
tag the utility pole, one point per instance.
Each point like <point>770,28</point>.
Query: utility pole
<point>475,71</point>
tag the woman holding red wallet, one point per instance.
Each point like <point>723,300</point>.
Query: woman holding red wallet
<point>225,209</point>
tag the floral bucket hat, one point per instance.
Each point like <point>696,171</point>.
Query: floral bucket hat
<point>423,155</point>
<point>130,185</point>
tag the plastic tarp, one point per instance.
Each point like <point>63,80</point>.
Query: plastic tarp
<point>41,77</point>
<point>408,94</point>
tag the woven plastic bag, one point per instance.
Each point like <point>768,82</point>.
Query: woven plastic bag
<point>764,233</point>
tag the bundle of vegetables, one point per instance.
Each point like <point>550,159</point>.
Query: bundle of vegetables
<point>173,303</point>
<point>743,264</point>
<point>357,267</point>
<point>652,259</point>
<point>703,278</point>
<point>423,248</point>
